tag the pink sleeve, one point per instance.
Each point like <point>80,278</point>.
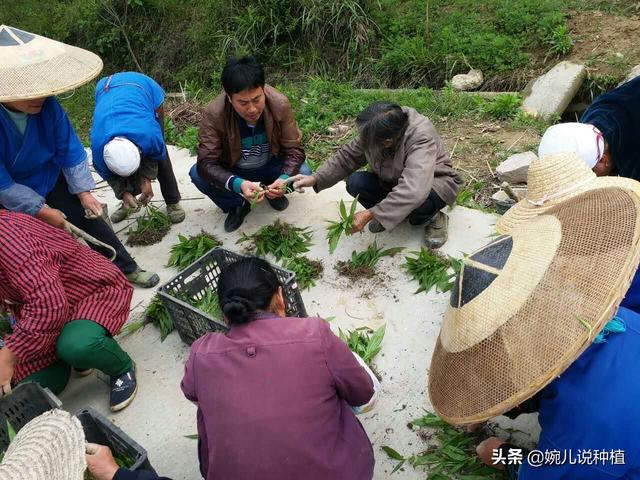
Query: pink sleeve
<point>188,384</point>
<point>353,383</point>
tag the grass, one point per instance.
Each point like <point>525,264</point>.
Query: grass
<point>503,107</point>
<point>151,227</point>
<point>364,342</point>
<point>282,240</point>
<point>344,225</point>
<point>362,264</point>
<point>453,458</point>
<point>432,270</point>
<point>307,270</point>
<point>190,249</point>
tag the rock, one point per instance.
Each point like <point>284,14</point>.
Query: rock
<point>503,202</point>
<point>514,169</point>
<point>551,93</point>
<point>635,72</point>
<point>467,81</point>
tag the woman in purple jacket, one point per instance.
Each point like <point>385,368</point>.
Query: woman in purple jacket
<point>276,396</point>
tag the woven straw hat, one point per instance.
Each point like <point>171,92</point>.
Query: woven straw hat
<point>32,66</point>
<point>552,179</point>
<point>49,447</point>
<point>525,306</point>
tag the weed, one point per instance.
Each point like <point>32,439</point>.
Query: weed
<point>455,457</point>
<point>430,269</point>
<point>188,250</point>
<point>336,229</point>
<point>504,107</point>
<point>281,239</point>
<point>559,41</point>
<point>364,342</point>
<point>307,271</point>
<point>186,139</point>
<point>362,264</point>
<point>151,227</point>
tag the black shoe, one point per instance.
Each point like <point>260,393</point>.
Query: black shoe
<point>278,203</point>
<point>236,217</point>
<point>375,226</point>
<point>123,389</point>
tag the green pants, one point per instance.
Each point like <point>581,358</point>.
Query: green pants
<point>82,344</point>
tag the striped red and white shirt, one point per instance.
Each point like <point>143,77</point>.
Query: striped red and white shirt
<point>49,279</point>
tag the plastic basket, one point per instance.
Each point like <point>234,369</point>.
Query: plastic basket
<point>190,322</point>
<point>97,429</point>
<point>26,402</point>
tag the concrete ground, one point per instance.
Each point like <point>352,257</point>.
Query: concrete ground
<point>160,416</point>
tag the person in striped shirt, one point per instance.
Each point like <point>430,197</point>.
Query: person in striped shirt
<point>67,302</point>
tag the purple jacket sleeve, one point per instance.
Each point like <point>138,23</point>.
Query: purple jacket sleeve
<point>352,381</point>
<point>188,384</point>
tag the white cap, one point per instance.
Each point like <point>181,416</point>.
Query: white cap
<point>581,138</point>
<point>121,156</point>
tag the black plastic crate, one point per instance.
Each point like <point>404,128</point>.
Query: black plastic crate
<point>190,322</point>
<point>26,402</point>
<point>97,429</point>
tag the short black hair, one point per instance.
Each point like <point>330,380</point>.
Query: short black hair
<point>244,287</point>
<point>241,74</point>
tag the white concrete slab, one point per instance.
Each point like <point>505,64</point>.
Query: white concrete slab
<point>160,416</point>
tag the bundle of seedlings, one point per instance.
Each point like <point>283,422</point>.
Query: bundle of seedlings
<point>209,303</point>
<point>365,342</point>
<point>307,270</point>
<point>362,264</point>
<point>344,225</point>
<point>431,269</point>
<point>282,240</point>
<point>453,458</point>
<point>190,249</point>
<point>151,227</point>
<point>155,313</point>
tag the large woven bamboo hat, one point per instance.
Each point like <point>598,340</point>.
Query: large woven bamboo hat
<point>554,178</point>
<point>49,447</point>
<point>525,306</point>
<point>32,66</point>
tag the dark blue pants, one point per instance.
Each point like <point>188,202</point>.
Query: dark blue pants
<point>226,199</point>
<point>371,191</point>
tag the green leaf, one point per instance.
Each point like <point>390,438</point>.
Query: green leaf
<point>354,206</point>
<point>11,433</point>
<point>343,210</point>
<point>193,436</point>
<point>392,453</point>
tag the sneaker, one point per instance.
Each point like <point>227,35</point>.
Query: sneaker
<point>123,389</point>
<point>375,226</point>
<point>122,213</point>
<point>278,203</point>
<point>143,279</point>
<point>175,212</point>
<point>236,217</point>
<point>83,373</point>
<point>435,232</point>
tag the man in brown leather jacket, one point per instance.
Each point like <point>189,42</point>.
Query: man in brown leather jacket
<point>248,144</point>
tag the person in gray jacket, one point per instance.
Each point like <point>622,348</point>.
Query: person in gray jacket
<point>411,175</point>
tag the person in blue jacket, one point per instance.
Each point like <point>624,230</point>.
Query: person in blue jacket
<point>43,166</point>
<point>127,142</point>
<point>592,406</point>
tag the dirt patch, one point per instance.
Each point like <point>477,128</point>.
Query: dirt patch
<point>147,237</point>
<point>344,268</point>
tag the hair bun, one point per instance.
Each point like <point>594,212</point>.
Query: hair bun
<point>238,309</point>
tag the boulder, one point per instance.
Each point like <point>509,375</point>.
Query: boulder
<point>467,81</point>
<point>514,169</point>
<point>551,93</point>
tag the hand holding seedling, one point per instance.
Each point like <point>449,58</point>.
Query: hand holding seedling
<point>8,362</point>
<point>277,189</point>
<point>485,451</point>
<point>146,189</point>
<point>129,201</point>
<point>360,220</point>
<point>298,182</point>
<point>252,192</point>
<point>100,461</point>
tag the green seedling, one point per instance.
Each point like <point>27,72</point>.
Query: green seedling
<point>344,225</point>
<point>363,263</point>
<point>282,240</point>
<point>155,313</point>
<point>364,342</point>
<point>188,250</point>
<point>430,269</point>
<point>208,304</point>
<point>307,271</point>
<point>453,458</point>
<point>151,227</point>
